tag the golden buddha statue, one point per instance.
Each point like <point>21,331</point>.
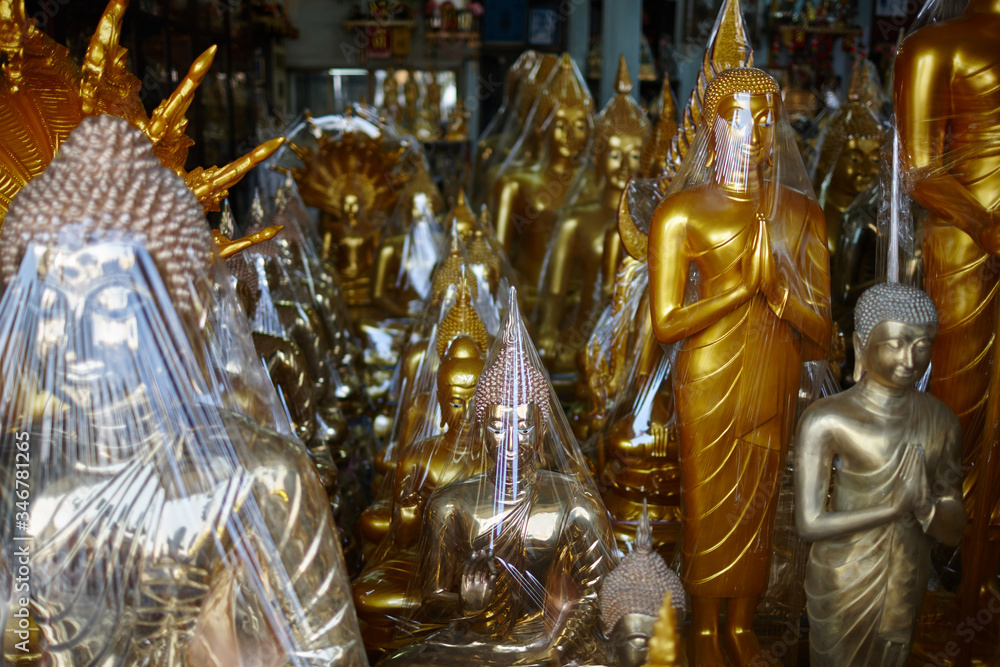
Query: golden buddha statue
<point>459,290</point>
<point>946,102</point>
<point>527,199</point>
<point>517,143</point>
<point>632,595</point>
<point>390,95</point>
<point>353,180</point>
<point>738,212</point>
<point>170,522</point>
<point>897,487</point>
<point>432,100</point>
<point>500,132</point>
<point>653,160</point>
<point>848,162</point>
<point>413,119</point>
<point>575,254</point>
<point>665,648</point>
<point>458,122</point>
<point>511,558</point>
<point>382,594</point>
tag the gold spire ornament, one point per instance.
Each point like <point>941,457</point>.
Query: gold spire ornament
<point>44,95</point>
<point>653,162</point>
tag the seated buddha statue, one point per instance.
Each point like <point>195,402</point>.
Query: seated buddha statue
<point>575,254</point>
<point>174,522</point>
<point>382,595</point>
<point>510,559</point>
<point>390,95</point>
<point>502,130</point>
<point>416,399</point>
<point>527,199</point>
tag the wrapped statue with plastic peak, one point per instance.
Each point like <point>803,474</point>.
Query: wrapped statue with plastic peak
<point>525,81</point>
<point>415,418</point>
<point>947,104</point>
<point>896,452</point>
<point>527,199</point>
<point>511,559</point>
<point>637,450</point>
<point>152,437</point>
<point>741,214</point>
<point>631,596</point>
<point>586,226</point>
<point>385,594</point>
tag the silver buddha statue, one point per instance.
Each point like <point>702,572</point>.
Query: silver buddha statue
<point>173,520</point>
<point>895,453</point>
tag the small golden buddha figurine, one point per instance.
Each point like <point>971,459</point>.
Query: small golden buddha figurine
<point>848,162</point>
<point>432,100</point>
<point>946,102</point>
<point>631,597</point>
<point>172,524</point>
<point>382,593</point>
<point>353,181</point>
<point>897,486</point>
<point>390,95</point>
<point>511,559</point>
<point>576,252</point>
<point>762,307</point>
<point>653,160</point>
<point>527,199</point>
<point>458,123</point>
<point>665,648</point>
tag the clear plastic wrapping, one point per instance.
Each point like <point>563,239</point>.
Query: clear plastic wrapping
<point>163,510</point>
<point>741,216</point>
<point>945,150</point>
<point>510,559</point>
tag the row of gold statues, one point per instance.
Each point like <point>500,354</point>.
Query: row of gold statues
<point>584,416</point>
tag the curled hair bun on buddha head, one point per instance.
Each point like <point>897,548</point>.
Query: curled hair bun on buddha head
<point>892,302</point>
<point>104,183</point>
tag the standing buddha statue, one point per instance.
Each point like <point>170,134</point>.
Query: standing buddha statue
<point>947,106</point>
<point>527,199</point>
<point>575,254</point>
<point>740,212</point>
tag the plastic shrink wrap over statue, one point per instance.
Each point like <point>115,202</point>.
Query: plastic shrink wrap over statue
<point>502,131</point>
<point>760,309</point>
<point>353,172</point>
<point>947,121</point>
<point>583,248</point>
<point>537,176</point>
<point>170,514</point>
<point>510,556</point>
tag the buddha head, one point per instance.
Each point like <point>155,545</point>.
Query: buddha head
<point>742,106</point>
<point>849,158</point>
<point>518,72</point>
<point>512,404</point>
<point>620,131</point>
<point>895,326</point>
<point>631,596</point>
<point>532,85</point>
<point>564,112</point>
<point>450,272</point>
<point>411,91</point>
<point>456,379</point>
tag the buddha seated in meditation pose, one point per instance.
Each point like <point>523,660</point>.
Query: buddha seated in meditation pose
<point>394,524</point>
<point>897,486</point>
<point>169,524</point>
<point>740,214</point>
<point>511,559</point>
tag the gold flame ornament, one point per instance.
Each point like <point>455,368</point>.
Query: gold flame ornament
<point>44,95</point>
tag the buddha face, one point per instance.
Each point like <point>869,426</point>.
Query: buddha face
<point>631,638</point>
<point>512,434</point>
<point>410,92</point>
<point>351,206</point>
<point>620,160</point>
<point>743,134</point>
<point>456,388</point>
<point>857,166</point>
<point>569,130</point>
<point>897,354</point>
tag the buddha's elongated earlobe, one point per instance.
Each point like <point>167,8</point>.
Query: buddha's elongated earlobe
<point>859,365</point>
